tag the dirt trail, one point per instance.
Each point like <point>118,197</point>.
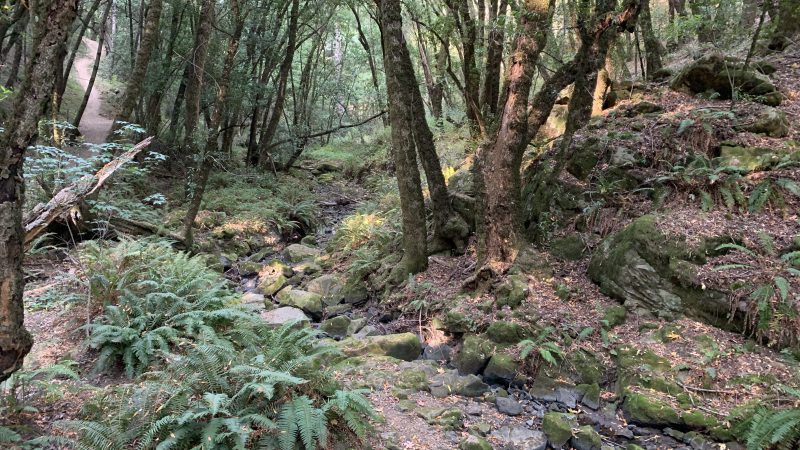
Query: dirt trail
<point>94,127</point>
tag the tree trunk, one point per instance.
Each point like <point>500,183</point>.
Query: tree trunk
<point>750,11</point>
<point>95,68</point>
<point>280,95</point>
<point>676,8</point>
<point>195,69</point>
<point>62,85</point>
<point>29,105</point>
<point>468,31</point>
<point>787,26</point>
<point>652,46</point>
<point>705,29</point>
<point>153,110</point>
<point>212,144</point>
<point>362,39</point>
<point>133,89</point>
<point>412,205</point>
<point>175,116</point>
<point>498,161</point>
<point>494,58</point>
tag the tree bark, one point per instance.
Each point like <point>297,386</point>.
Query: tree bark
<point>494,58</point>
<point>498,161</point>
<point>469,33</point>
<point>195,70</point>
<point>652,46</point>
<point>30,103</point>
<point>95,68</point>
<point>412,205</point>
<point>787,26</point>
<point>133,89</point>
<point>153,110</point>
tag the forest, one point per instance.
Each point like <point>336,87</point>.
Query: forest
<point>386,224</point>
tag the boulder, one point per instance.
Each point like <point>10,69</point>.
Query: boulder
<point>646,410</point>
<point>585,157</point>
<point>501,369</point>
<point>614,316</point>
<point>367,331</point>
<point>336,327</point>
<point>328,287</point>
<point>750,159</point>
<point>449,418</point>
<point>586,438</point>
<point>568,248</point>
<point>441,352</point>
<point>503,332</point>
<point>474,354</point>
<point>475,443</point>
<point>273,277</point>
<point>655,275</point>
<point>521,438</point>
<point>253,301</point>
<point>309,302</point>
<point>451,383</point>
<point>546,389</point>
<point>718,74</point>
<point>558,428</point>
<point>770,121</point>
<point>508,406</point>
<point>296,253</point>
<point>643,107</point>
<point>512,292</point>
<point>283,315</point>
<point>405,346</point>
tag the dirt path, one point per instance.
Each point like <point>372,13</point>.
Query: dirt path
<point>94,127</point>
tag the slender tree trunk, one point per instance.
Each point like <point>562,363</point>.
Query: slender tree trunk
<point>787,25</point>
<point>14,73</point>
<point>494,58</point>
<point>212,143</point>
<point>652,46</point>
<point>498,161</point>
<point>280,95</point>
<point>62,86</point>
<point>175,116</point>
<point>29,105</point>
<point>362,39</point>
<point>153,113</point>
<point>135,85</point>
<point>195,69</point>
<point>95,68</point>
<point>472,77</point>
<point>412,205</point>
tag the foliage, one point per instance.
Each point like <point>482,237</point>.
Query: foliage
<point>766,427</point>
<point>547,350</point>
<point>21,384</point>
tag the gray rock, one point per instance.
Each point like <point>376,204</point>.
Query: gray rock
<point>366,332</point>
<point>714,72</point>
<point>356,325</point>
<point>307,301</point>
<point>296,253</point>
<point>253,301</point>
<point>336,326</point>
<point>771,122</point>
<point>521,438</point>
<point>405,346</point>
<point>473,409</point>
<point>548,390</point>
<point>441,352</point>
<point>508,406</point>
<point>451,383</point>
<point>283,315</point>
<point>328,286</point>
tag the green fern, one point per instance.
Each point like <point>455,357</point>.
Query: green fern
<point>779,428</point>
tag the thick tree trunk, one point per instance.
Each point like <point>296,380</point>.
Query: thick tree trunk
<point>135,85</point>
<point>652,46</point>
<point>95,68</point>
<point>30,103</point>
<point>498,161</point>
<point>412,205</point>
<point>280,95</point>
<point>195,69</point>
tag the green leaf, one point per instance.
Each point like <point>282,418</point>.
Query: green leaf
<point>783,287</point>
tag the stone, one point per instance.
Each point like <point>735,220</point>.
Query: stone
<point>473,409</point>
<point>447,418</point>
<point>356,325</point>
<point>441,352</point>
<point>328,287</point>
<point>643,107</point>
<point>654,275</point>
<point>508,406</point>
<point>648,411</point>
<point>770,121</point>
<point>585,157</point>
<point>568,248</point>
<point>308,267</point>
<point>503,332</point>
<point>296,253</point>
<point>412,379</point>
<point>717,74</point>
<point>586,438</point>
<point>456,322</point>
<point>511,292</point>
<point>354,293</point>
<point>249,268</point>
<point>521,438</point>
<point>309,240</point>
<point>309,302</point>
<point>480,428</point>
<point>451,383</point>
<point>336,327</point>
<point>475,443</point>
<point>591,395</point>
<point>751,159</point>
<point>405,346</point>
<point>623,157</point>
<point>546,389</point>
<point>338,310</point>
<point>284,315</point>
<point>367,331</point>
<point>273,277</point>
<point>474,354</point>
<point>558,428</point>
<point>501,369</point>
<point>254,301</point>
<point>614,316</point>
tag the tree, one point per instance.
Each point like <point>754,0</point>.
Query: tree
<point>468,31</point>
<point>95,67</point>
<point>195,71</point>
<point>787,25</point>
<point>652,46</point>
<point>29,105</point>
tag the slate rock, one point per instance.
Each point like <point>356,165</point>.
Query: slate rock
<point>283,315</point>
<point>521,438</point>
<point>508,406</point>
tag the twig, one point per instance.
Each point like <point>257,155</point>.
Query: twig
<point>712,391</point>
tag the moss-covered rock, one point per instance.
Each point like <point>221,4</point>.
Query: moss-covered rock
<point>586,438</point>
<point>474,354</point>
<point>456,322</point>
<point>296,253</point>
<point>586,366</point>
<point>336,326</point>
<point>503,332</point>
<point>648,411</point>
<point>405,346</point>
<point>412,379</point>
<point>591,395</point>
<point>328,287</point>
<point>502,368</point>
<point>451,383</point>
<point>309,302</point>
<point>447,418</point>
<point>512,291</point>
<point>643,107</point>
<point>558,428</point>
<point>718,74</point>
<point>475,443</point>
<point>615,316</point>
<point>585,157</point>
<point>654,275</point>
<point>273,277</point>
<point>771,122</point>
<point>750,159</point>
<point>568,248</point>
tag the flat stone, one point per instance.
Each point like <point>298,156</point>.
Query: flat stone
<point>283,315</point>
<point>253,301</point>
<point>405,346</point>
<point>307,301</point>
<point>548,390</point>
<point>336,326</point>
<point>327,286</point>
<point>522,438</point>
<point>296,253</point>
<point>508,406</point>
<point>451,383</point>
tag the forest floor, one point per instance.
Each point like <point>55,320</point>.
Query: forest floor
<point>94,125</point>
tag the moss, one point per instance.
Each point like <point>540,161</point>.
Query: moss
<point>512,291</point>
<point>748,158</point>
<point>456,322</point>
<point>558,428</point>
<point>502,368</point>
<point>475,443</point>
<point>405,346</point>
<point>614,316</point>
<point>587,439</point>
<point>503,332</point>
<point>591,395</point>
<point>588,368</point>
<point>585,157</point>
<point>412,379</point>
<point>475,353</point>
<point>336,326</point>
<point>697,420</point>
<point>569,248</point>
<point>640,409</point>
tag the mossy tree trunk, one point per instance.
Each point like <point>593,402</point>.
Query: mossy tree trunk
<point>652,46</point>
<point>490,94</point>
<point>195,72</point>
<point>29,105</point>
<point>468,31</point>
<point>787,26</point>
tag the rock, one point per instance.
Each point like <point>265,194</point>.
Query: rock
<point>328,287</point>
<point>569,248</point>
<point>655,275</point>
<point>718,74</point>
<point>412,379</point>
<point>367,331</point>
<point>614,316</point>
<point>501,369</point>
<point>356,325</point>
<point>480,428</point>
<point>447,418</point>
<point>309,240</point>
<point>623,157</point>
<point>770,121</point>
<point>558,428</point>
<point>474,354</point>
<point>283,315</point>
<point>273,277</point>
<point>338,310</point>
<point>521,438</point>
<point>249,268</point>
<point>503,332</point>
<point>660,74</point>
<point>308,267</point>
<point>451,383</point>
<point>309,302</point>
<point>336,327</point>
<point>508,406</point>
<point>405,346</point>
<point>441,352</point>
<point>643,410</point>
<point>512,291</point>
<point>473,409</point>
<point>586,438</point>
<point>643,107</point>
<point>750,159</point>
<point>591,395</point>
<point>546,389</point>
<point>296,253</point>
<point>475,443</point>
<point>456,322</point>
<point>585,157</point>
<point>254,301</point>
<point>354,293</point>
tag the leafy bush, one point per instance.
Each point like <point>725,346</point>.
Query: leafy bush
<point>154,299</point>
<point>270,394</point>
<point>766,427</point>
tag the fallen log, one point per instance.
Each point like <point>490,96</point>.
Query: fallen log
<point>68,201</point>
